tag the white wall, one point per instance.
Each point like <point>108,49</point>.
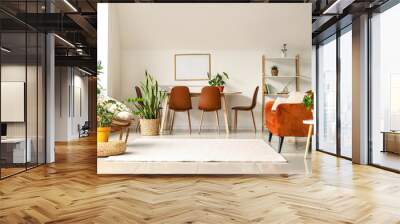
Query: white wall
<point>69,82</point>
<point>109,49</point>
<point>102,43</point>
<point>236,36</point>
<point>113,73</point>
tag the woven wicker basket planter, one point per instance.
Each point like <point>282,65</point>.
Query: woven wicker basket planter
<point>150,127</point>
<point>111,148</point>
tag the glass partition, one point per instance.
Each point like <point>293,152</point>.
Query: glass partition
<point>22,67</point>
<point>14,153</point>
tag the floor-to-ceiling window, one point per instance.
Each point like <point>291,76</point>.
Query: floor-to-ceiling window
<point>22,66</point>
<point>345,60</point>
<point>327,95</point>
<point>334,103</point>
<point>385,89</point>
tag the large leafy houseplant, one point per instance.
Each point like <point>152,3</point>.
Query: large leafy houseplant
<point>147,107</point>
<point>218,80</point>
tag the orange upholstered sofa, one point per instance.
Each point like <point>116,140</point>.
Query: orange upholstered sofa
<point>286,120</point>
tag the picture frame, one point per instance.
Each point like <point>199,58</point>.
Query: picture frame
<point>192,67</point>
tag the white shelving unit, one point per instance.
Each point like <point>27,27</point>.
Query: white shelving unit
<point>294,61</point>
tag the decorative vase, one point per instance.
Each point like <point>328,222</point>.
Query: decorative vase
<point>150,127</point>
<point>274,72</point>
<point>103,133</point>
<point>221,88</point>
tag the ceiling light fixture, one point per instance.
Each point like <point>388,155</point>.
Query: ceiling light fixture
<point>70,5</point>
<point>338,6</point>
<point>64,40</point>
<point>84,71</point>
<point>5,50</point>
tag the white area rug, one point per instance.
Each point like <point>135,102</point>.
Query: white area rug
<point>198,150</point>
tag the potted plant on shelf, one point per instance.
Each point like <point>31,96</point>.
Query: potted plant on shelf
<point>147,107</point>
<point>274,70</point>
<point>218,80</point>
<point>106,110</point>
<point>308,100</point>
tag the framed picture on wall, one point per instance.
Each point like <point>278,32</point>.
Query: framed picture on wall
<point>190,67</point>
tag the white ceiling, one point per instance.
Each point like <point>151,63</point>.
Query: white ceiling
<point>254,26</point>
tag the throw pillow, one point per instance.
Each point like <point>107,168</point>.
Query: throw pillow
<point>278,101</point>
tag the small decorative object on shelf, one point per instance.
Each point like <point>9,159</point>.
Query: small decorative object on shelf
<point>274,70</point>
<point>148,106</point>
<point>218,80</point>
<point>284,51</point>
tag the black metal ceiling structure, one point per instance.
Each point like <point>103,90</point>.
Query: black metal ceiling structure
<point>75,21</point>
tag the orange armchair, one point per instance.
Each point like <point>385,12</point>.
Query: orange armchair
<point>286,120</point>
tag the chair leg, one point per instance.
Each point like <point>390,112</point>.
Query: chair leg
<point>127,135</point>
<point>167,120</point>
<point>216,116</point>
<point>190,123</point>
<point>201,120</point>
<point>173,121</point>
<point>254,122</point>
<point>121,132</point>
<point>236,120</point>
<point>137,129</point>
<point>281,138</point>
<point>270,137</point>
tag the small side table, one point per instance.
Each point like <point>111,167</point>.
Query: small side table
<point>391,141</point>
<point>309,137</point>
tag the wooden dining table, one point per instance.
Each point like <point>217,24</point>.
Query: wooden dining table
<point>195,92</point>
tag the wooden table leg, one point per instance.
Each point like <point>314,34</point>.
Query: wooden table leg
<point>164,114</point>
<point>225,113</point>
<point>308,141</point>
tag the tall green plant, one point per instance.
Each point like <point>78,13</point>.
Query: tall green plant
<point>147,107</point>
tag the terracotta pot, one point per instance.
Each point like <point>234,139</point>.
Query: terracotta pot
<point>103,133</point>
<point>221,88</point>
<point>150,127</point>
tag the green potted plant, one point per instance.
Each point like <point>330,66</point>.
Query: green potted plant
<point>147,107</point>
<point>106,110</point>
<point>218,80</point>
<point>274,70</point>
<point>308,100</point>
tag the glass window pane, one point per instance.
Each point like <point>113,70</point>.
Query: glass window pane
<point>346,94</point>
<point>385,84</point>
<point>327,96</point>
<point>31,97</point>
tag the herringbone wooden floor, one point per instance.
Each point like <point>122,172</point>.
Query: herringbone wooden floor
<point>69,191</point>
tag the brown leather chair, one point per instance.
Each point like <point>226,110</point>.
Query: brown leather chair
<point>247,108</point>
<point>180,101</point>
<point>210,100</point>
